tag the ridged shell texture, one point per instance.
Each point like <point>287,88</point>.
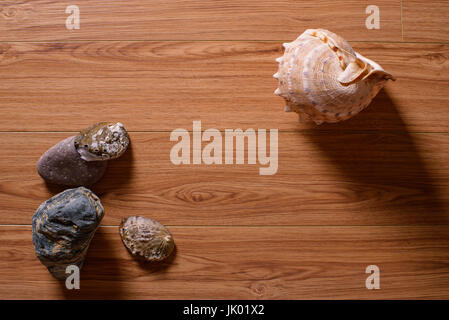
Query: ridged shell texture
<point>324,80</point>
<point>146,238</point>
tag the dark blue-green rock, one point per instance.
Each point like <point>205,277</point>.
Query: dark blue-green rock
<point>63,228</point>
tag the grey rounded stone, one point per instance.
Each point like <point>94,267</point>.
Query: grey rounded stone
<point>63,228</point>
<point>63,165</point>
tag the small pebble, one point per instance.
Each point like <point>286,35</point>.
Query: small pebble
<point>63,165</point>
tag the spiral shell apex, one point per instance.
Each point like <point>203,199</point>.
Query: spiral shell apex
<point>146,238</point>
<point>324,80</point>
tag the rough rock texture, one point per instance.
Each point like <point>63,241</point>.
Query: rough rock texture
<point>63,228</point>
<point>102,141</point>
<point>146,238</point>
<point>63,165</point>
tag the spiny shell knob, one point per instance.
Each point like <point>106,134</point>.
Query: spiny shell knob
<point>146,238</point>
<point>324,80</point>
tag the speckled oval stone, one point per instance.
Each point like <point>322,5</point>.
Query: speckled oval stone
<point>63,228</point>
<point>146,238</point>
<point>63,165</point>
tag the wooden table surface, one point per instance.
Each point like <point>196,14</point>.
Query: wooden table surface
<point>373,190</point>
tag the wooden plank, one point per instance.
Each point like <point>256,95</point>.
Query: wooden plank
<point>244,263</point>
<point>194,20</point>
<point>159,86</point>
<point>371,190</point>
<point>328,179</point>
<point>426,21</point>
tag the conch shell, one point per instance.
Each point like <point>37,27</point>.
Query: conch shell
<point>324,80</point>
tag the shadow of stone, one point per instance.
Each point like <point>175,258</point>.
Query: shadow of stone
<point>157,267</point>
<point>55,188</point>
<point>118,174</point>
<point>101,276</point>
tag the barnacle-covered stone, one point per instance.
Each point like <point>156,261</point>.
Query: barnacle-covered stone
<point>63,165</point>
<point>146,238</point>
<point>324,80</point>
<point>102,141</point>
<point>63,228</point>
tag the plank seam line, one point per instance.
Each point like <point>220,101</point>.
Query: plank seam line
<point>269,226</point>
<point>305,131</point>
<point>216,40</point>
<point>402,24</point>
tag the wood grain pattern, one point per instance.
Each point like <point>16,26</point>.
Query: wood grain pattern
<point>219,263</point>
<point>194,20</point>
<point>370,190</point>
<point>338,179</point>
<point>160,86</point>
<point>426,21</point>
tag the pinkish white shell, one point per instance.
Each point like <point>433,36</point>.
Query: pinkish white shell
<point>324,80</point>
